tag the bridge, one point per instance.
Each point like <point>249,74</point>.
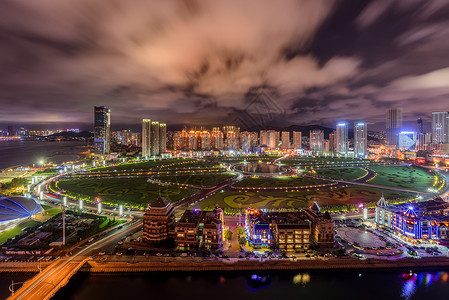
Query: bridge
<point>46,283</point>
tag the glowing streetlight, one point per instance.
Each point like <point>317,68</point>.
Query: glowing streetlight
<point>120,210</point>
<point>64,200</point>
<point>99,207</point>
<point>81,204</point>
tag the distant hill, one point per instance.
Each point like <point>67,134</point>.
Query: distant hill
<point>71,134</point>
<point>305,130</point>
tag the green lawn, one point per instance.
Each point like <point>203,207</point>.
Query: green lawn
<point>329,162</point>
<point>53,211</point>
<point>4,236</point>
<point>140,166</point>
<point>410,178</point>
<point>297,181</point>
<point>337,197</point>
<point>46,172</point>
<point>341,173</point>
<point>136,192</point>
<point>243,158</point>
<point>196,180</point>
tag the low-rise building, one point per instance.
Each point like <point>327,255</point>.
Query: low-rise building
<point>323,227</point>
<point>420,222</point>
<point>282,230</point>
<point>200,229</point>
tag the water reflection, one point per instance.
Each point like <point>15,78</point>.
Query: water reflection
<point>424,279</point>
<point>255,281</point>
<point>261,168</point>
<point>301,278</point>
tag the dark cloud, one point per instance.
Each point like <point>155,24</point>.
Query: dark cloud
<point>199,62</point>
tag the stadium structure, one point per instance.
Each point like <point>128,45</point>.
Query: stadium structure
<point>14,208</point>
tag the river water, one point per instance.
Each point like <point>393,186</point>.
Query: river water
<point>27,153</point>
<point>336,285</point>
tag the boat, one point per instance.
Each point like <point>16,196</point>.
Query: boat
<point>408,276</point>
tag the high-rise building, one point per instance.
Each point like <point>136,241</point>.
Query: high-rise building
<point>11,131</point>
<point>316,138</point>
<point>285,140</point>
<point>393,125</point>
<point>205,140</point>
<point>440,127</point>
<point>360,139</point>
<point>162,138</point>
<point>421,141</point>
<point>181,140</point>
<point>332,142</point>
<point>232,139</point>
<point>127,137</point>
<point>193,142</point>
<point>217,139</point>
<point>342,138</point>
<point>102,124</point>
<point>420,124</point>
<point>269,139</point>
<point>297,137</point>
<point>146,137</point>
<point>155,150</point>
<point>263,138</point>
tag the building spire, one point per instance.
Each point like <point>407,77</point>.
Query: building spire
<point>382,202</point>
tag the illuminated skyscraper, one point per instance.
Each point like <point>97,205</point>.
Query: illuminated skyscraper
<point>193,142</point>
<point>162,138</point>
<point>154,136</point>
<point>342,138</point>
<point>285,140</point>
<point>205,140</point>
<point>316,138</point>
<point>297,137</point>
<point>217,139</point>
<point>102,123</point>
<point>420,124</point>
<point>332,142</point>
<point>393,125</point>
<point>360,139</point>
<point>440,127</point>
<point>146,137</point>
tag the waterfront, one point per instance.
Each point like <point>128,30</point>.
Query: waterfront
<point>27,153</point>
<point>286,285</point>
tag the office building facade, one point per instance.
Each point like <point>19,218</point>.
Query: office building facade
<point>316,140</point>
<point>393,125</point>
<point>102,125</point>
<point>342,138</point>
<point>360,139</point>
<point>440,127</point>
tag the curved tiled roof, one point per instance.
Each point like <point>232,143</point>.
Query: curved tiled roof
<point>12,208</point>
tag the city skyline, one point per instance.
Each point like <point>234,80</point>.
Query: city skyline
<point>325,60</point>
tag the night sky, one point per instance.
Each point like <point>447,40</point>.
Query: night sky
<point>204,62</point>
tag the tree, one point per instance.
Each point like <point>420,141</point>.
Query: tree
<point>228,234</point>
<point>242,240</point>
<point>239,230</point>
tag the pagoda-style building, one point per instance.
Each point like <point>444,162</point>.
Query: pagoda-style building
<point>158,221</point>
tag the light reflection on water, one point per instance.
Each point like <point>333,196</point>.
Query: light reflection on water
<point>301,278</point>
<point>424,279</point>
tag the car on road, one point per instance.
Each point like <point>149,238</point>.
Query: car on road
<point>118,253</point>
